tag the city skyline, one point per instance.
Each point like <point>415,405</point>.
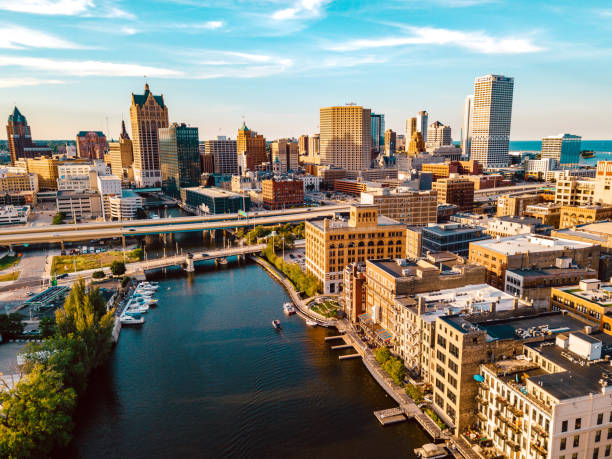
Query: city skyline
<point>276,63</point>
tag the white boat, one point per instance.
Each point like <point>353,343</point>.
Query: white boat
<point>144,300</point>
<point>276,324</point>
<point>289,309</point>
<point>311,323</point>
<point>147,285</point>
<point>131,320</point>
<point>431,451</point>
<point>132,310</point>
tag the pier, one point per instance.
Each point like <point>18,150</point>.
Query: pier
<point>390,416</point>
<point>341,346</point>
<point>349,356</point>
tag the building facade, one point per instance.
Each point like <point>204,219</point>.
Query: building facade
<point>281,194</point>
<point>438,135</point>
<point>455,190</point>
<point>148,114</point>
<point>564,148</point>
<point>122,157</point>
<point>284,155</point>
<point>215,200</point>
<point>492,115</point>
<point>179,158</point>
<point>91,145</point>
<point>225,154</point>
<point>19,139</point>
<point>450,237</point>
<point>251,148</point>
<point>346,136</point>
<point>416,208</point>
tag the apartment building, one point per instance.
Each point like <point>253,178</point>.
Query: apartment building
<point>333,244</point>
<point>575,192</point>
<point>346,136</point>
<point>415,208</point>
<point>527,251</point>
<point>579,215</point>
<point>450,237</point>
<point>515,205</point>
<point>564,148</point>
<point>549,213</point>
<point>281,194</point>
<point>589,301</point>
<point>455,190</point>
<point>603,183</point>
<point>513,226</point>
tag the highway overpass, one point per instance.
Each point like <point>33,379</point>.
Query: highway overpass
<point>108,230</point>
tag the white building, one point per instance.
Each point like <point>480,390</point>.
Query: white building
<point>421,124</point>
<point>438,135</point>
<point>466,130</point>
<point>14,215</point>
<point>311,182</point>
<point>492,115</point>
<point>125,205</point>
<point>538,167</point>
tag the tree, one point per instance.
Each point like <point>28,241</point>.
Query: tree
<point>382,354</point>
<point>117,268</point>
<point>11,326</point>
<point>138,253</point>
<point>47,326</point>
<point>98,274</point>
<point>58,218</point>
<point>141,214</point>
<point>36,415</point>
<point>125,281</point>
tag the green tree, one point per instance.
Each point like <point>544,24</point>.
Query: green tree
<point>58,218</point>
<point>125,281</point>
<point>11,326</point>
<point>47,326</point>
<point>117,268</point>
<point>98,274</point>
<point>382,354</point>
<point>36,415</point>
<point>415,393</point>
<point>138,253</point>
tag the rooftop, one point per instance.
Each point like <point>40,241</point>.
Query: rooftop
<point>213,192</point>
<point>473,298</point>
<point>452,228</point>
<point>529,243</point>
<point>591,290</point>
<point>342,223</point>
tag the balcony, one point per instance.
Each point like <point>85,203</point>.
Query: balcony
<point>482,416</point>
<point>540,448</point>
<point>516,428</point>
<point>482,400</point>
<point>501,400</point>
<point>500,434</point>
<point>514,445</point>
<point>515,411</point>
<point>539,430</point>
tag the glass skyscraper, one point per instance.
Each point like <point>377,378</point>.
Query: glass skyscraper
<point>378,132</point>
<point>179,158</point>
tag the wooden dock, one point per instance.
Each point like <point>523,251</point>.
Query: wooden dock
<point>330,338</point>
<point>390,416</point>
<point>349,356</point>
<point>341,346</point>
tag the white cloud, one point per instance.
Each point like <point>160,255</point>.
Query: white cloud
<point>474,41</point>
<point>19,82</point>
<point>15,37</point>
<point>605,13</point>
<point>65,8</point>
<point>301,9</point>
<point>210,25</point>
<point>125,30</point>
<point>87,68</point>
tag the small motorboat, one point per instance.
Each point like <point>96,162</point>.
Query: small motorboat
<point>431,451</point>
<point>289,309</point>
<point>131,320</point>
<point>311,323</point>
<point>276,324</point>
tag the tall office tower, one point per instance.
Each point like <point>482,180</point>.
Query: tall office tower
<point>346,137</point>
<point>91,144</point>
<point>438,135</point>
<point>148,114</point>
<point>378,132</point>
<point>565,148</point>
<point>20,141</point>
<point>421,124</point>
<point>491,120</point>
<point>224,153</point>
<point>179,158</point>
<point>411,128</point>
<point>251,149</point>
<point>303,145</point>
<point>466,130</point>
<point>314,150</point>
<point>390,142</point>
<point>416,144</point>
<point>284,155</point>
<point>122,156</point>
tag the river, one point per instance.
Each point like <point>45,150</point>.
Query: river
<point>208,376</point>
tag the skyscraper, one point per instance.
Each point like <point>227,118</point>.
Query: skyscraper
<point>466,130</point>
<point>346,136</point>
<point>122,156</point>
<point>439,135</point>
<point>565,148</point>
<point>303,145</point>
<point>390,142</point>
<point>411,128</point>
<point>91,144</point>
<point>284,155</point>
<point>148,114</point>
<point>251,149</point>
<point>224,153</point>
<point>378,132</point>
<point>421,124</point>
<point>491,120</point>
<point>179,157</point>
<point>20,141</point>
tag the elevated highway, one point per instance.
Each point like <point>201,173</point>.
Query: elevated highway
<point>107,230</point>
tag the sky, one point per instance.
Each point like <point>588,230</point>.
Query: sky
<point>71,65</point>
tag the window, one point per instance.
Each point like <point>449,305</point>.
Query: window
<point>598,435</point>
<point>595,453</point>
<point>607,453</point>
<point>453,366</point>
<point>599,418</point>
<point>563,444</point>
<point>577,423</point>
<point>609,432</point>
<point>576,441</point>
<point>564,426</point>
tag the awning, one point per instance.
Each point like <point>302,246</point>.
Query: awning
<point>384,334</point>
<point>365,318</point>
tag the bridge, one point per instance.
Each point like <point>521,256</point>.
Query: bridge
<point>108,230</point>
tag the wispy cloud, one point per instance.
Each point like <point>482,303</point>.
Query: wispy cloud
<point>20,82</point>
<point>87,67</point>
<point>103,8</point>
<point>302,9</point>
<point>15,37</point>
<point>210,25</point>
<point>478,42</point>
<point>604,13</point>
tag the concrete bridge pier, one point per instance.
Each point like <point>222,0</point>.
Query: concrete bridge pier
<point>189,266</point>
<point>11,250</point>
<point>62,245</point>
<point>123,242</point>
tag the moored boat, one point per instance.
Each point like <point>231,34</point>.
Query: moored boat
<point>288,308</point>
<point>131,320</point>
<point>431,451</point>
<point>276,324</point>
<point>311,323</point>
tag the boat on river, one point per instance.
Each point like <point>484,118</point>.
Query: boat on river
<point>431,451</point>
<point>288,308</point>
<point>127,319</point>
<point>276,324</point>
<point>311,323</point>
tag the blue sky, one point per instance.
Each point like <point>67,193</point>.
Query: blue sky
<point>71,65</point>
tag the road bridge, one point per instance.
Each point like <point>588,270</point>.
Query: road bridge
<point>109,230</point>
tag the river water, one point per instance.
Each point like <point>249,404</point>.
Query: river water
<point>208,376</point>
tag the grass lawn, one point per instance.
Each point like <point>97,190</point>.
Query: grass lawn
<point>65,264</point>
<point>9,277</point>
<point>8,261</point>
<point>327,309</point>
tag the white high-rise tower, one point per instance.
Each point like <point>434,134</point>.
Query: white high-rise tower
<point>421,126</point>
<point>466,130</point>
<point>492,115</point>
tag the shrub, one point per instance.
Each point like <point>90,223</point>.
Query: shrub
<point>98,275</point>
<point>415,393</point>
<point>117,268</point>
<point>125,281</point>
